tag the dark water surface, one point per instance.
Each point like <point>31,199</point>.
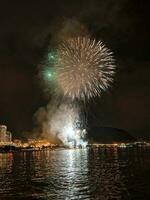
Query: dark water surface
<point>76,174</point>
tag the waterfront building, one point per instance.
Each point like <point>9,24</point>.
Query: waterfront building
<point>5,136</point>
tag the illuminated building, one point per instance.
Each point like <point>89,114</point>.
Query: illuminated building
<point>5,136</point>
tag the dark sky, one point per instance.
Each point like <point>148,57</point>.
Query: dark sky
<point>26,28</point>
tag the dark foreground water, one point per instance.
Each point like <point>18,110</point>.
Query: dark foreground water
<point>76,174</point>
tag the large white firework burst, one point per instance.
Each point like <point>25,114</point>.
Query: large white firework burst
<point>83,68</point>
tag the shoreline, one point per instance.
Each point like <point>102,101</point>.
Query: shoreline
<point>11,149</point>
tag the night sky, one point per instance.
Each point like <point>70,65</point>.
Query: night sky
<point>27,27</point>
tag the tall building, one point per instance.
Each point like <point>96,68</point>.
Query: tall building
<point>5,136</point>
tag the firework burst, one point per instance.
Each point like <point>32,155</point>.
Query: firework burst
<point>83,68</point>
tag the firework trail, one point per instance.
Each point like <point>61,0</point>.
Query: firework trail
<point>83,68</point>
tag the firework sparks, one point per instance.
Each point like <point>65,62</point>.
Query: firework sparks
<point>65,124</point>
<point>83,68</point>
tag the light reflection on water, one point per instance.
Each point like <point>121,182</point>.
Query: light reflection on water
<point>76,174</point>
